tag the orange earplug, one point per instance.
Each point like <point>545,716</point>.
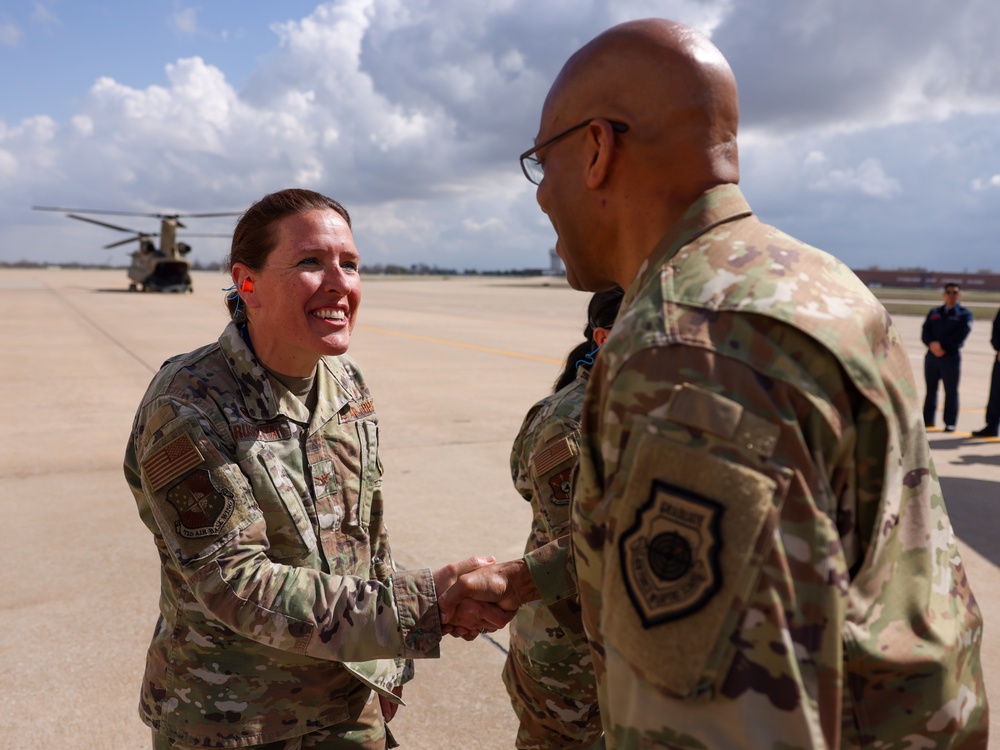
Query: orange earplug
<point>247,285</point>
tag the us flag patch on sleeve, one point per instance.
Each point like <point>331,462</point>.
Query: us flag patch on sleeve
<point>171,461</point>
<point>552,456</point>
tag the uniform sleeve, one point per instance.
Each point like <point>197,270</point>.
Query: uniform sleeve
<point>926,332</point>
<point>995,338</point>
<point>201,508</point>
<point>721,524</point>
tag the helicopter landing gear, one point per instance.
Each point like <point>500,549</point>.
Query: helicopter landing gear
<point>131,287</point>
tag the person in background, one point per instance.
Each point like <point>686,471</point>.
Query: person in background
<point>992,428</point>
<point>254,462</point>
<point>761,545</point>
<point>549,673</point>
<point>944,333</point>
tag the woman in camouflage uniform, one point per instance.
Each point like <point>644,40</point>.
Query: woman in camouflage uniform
<point>254,463</point>
<point>548,672</point>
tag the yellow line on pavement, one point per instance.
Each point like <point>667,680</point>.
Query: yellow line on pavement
<point>460,345</point>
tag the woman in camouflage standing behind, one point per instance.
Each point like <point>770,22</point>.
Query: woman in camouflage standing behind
<point>548,671</point>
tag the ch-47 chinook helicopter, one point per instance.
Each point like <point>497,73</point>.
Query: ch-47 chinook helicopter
<point>153,269</point>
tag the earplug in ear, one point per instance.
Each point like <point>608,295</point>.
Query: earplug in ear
<point>247,285</point>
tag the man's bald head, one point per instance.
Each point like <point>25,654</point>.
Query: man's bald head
<point>668,81</point>
<point>612,195</point>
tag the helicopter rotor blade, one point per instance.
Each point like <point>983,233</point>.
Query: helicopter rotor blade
<point>102,223</point>
<point>205,216</point>
<point>96,211</point>
<point>203,234</point>
<point>122,242</point>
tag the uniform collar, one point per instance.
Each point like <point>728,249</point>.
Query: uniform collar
<point>715,206</point>
<point>264,399</point>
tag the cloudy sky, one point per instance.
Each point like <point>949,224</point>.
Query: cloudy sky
<point>870,129</point>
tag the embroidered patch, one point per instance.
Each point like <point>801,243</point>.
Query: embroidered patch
<point>562,486</point>
<point>553,455</point>
<point>262,432</point>
<point>670,554</point>
<point>358,410</point>
<point>171,461</point>
<point>203,508</point>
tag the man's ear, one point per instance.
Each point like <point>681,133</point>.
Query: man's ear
<point>601,138</point>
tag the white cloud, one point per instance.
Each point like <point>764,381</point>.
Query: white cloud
<point>868,177</point>
<point>980,184</point>
<point>42,14</point>
<point>185,20</point>
<point>10,34</point>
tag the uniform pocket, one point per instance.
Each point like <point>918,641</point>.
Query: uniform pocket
<point>693,527</point>
<point>371,475</point>
<point>289,529</point>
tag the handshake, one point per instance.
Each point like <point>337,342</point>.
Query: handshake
<point>480,595</point>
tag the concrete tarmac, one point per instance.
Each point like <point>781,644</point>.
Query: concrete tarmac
<point>453,364</point>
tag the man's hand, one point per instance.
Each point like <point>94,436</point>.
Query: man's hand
<point>508,585</point>
<point>476,617</point>
<point>936,348</point>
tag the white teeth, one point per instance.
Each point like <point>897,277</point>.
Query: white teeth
<point>330,314</point>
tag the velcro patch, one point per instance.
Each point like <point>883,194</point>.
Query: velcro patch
<point>202,507</point>
<point>553,455</point>
<point>175,458</point>
<point>670,555</point>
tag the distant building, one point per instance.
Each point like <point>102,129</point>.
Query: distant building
<point>920,278</point>
<point>556,267</point>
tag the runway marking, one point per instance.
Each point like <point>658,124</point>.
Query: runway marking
<point>461,345</point>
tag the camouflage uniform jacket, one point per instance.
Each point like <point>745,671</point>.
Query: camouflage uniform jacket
<point>762,547</point>
<point>278,590</point>
<point>548,673</point>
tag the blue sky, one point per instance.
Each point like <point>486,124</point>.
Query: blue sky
<point>868,129</point>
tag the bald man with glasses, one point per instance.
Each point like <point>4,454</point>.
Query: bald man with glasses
<point>759,540</point>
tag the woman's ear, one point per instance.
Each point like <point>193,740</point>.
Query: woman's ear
<point>601,335</point>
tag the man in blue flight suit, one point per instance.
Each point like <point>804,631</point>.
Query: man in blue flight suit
<point>944,333</point>
<point>992,428</point>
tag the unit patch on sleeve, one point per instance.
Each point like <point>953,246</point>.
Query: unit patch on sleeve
<point>561,485</point>
<point>203,507</point>
<point>175,458</point>
<point>670,554</point>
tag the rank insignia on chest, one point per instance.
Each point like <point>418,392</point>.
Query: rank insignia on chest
<point>670,554</point>
<point>202,507</point>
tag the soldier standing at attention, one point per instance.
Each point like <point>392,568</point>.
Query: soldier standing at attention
<point>944,333</point>
<point>762,550</point>
<point>548,672</point>
<point>254,463</point>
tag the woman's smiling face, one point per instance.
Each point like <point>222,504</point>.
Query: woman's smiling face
<point>305,299</point>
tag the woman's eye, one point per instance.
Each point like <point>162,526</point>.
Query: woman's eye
<point>350,265</point>
<point>308,262</point>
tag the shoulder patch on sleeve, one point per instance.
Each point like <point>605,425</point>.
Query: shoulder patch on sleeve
<point>554,454</point>
<point>203,508</point>
<point>670,554</point>
<point>175,458</point>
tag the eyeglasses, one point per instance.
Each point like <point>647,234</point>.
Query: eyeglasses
<point>533,168</point>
